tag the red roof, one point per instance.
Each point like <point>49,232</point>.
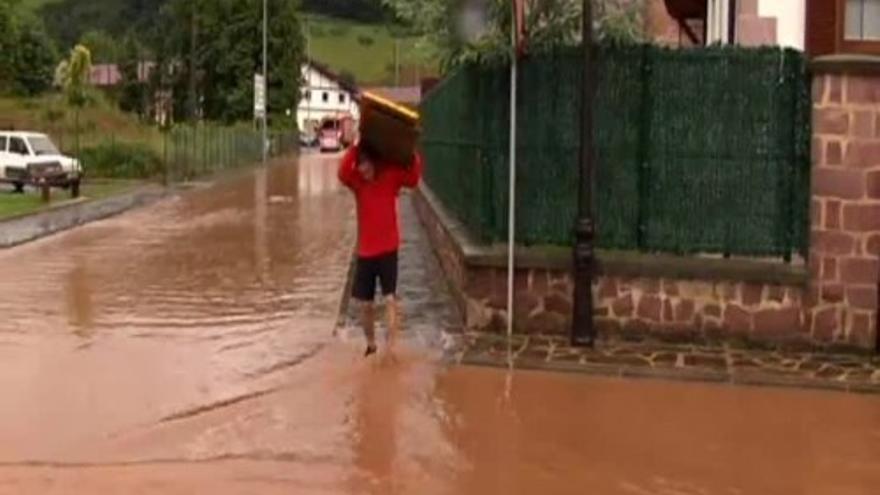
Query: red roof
<point>104,75</point>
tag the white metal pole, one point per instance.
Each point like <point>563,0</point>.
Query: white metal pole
<point>265,79</point>
<point>308,121</point>
<point>511,215</point>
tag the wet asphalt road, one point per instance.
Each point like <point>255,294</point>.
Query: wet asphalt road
<point>187,348</point>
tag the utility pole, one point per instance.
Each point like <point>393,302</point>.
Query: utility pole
<point>583,332</point>
<point>193,48</point>
<point>266,79</point>
<point>396,62</point>
<point>308,75</point>
<point>511,191</point>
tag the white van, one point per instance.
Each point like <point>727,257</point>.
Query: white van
<point>27,156</point>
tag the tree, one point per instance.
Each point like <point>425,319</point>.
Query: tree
<point>36,58</point>
<point>228,52</point>
<point>104,47</point>
<point>360,10</point>
<point>550,23</point>
<point>70,20</point>
<point>348,78</point>
<point>133,91</point>
<point>73,75</point>
<point>8,33</point>
<point>26,52</point>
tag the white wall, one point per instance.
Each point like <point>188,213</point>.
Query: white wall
<point>790,20</point>
<point>718,21</point>
<point>313,107</point>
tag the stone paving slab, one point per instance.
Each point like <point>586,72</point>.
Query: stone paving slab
<point>720,364</point>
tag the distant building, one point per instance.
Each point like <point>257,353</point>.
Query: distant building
<point>160,105</point>
<point>817,27</point>
<point>109,75</point>
<point>324,94</point>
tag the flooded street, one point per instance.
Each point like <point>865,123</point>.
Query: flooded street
<point>187,348</point>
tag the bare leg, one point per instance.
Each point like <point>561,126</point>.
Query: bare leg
<point>392,316</point>
<point>368,320</point>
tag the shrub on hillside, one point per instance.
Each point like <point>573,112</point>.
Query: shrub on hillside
<point>121,161</point>
<point>339,30</point>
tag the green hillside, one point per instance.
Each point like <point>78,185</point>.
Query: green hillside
<point>36,4</point>
<point>364,50</point>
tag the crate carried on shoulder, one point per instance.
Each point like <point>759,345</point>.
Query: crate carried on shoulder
<point>32,159</point>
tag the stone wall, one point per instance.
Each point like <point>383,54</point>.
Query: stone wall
<point>845,245</point>
<point>833,300</point>
<point>710,305</point>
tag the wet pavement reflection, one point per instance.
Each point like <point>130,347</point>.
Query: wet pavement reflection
<point>187,348</point>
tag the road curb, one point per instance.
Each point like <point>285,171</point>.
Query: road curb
<point>23,229</point>
<point>708,376</point>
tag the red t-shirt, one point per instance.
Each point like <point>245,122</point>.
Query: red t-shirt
<point>378,229</point>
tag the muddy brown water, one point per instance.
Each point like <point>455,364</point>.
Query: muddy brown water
<point>186,348</point>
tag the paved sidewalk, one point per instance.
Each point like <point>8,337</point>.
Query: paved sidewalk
<point>680,362</point>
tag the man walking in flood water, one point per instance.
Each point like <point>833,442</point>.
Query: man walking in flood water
<point>376,185</point>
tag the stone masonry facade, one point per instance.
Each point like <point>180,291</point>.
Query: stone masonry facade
<point>845,244</point>
<point>835,302</point>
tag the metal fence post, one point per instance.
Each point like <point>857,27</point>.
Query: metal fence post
<point>644,168</point>
<point>583,331</point>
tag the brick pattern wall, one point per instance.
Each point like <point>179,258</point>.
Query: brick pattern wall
<point>672,309</point>
<point>845,261</point>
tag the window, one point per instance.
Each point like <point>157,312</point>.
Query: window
<point>843,27</point>
<point>325,97</point>
<point>308,95</point>
<point>43,146</point>
<point>341,97</point>
<point>17,146</point>
<point>3,141</point>
<point>862,20</point>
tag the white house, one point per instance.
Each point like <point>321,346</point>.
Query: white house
<point>757,22</point>
<point>745,22</point>
<point>324,94</point>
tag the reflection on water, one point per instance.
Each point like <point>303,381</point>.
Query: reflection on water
<point>261,199</point>
<point>78,293</point>
<point>377,404</point>
<point>317,181</point>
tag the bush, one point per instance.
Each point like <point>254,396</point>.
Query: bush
<point>339,30</point>
<point>120,160</point>
<point>365,40</point>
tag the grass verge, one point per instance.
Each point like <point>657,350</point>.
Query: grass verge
<point>12,204</point>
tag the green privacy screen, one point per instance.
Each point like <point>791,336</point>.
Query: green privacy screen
<point>699,151</point>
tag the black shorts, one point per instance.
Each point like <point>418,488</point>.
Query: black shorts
<point>368,270</point>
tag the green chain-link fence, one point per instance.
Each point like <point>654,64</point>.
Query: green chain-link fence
<point>182,153</point>
<point>699,151</point>
<point>194,151</point>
